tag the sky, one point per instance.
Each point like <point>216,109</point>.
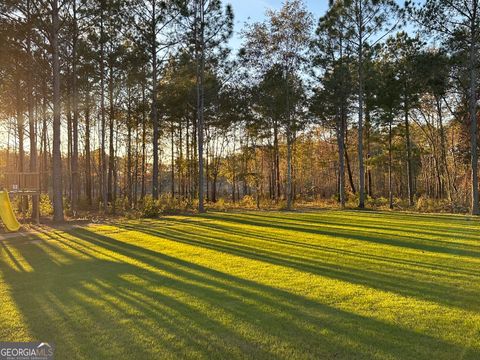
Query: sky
<point>254,10</point>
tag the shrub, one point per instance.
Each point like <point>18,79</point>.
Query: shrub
<point>169,205</point>
<point>150,207</point>
<point>282,205</point>
<point>46,207</point>
<point>121,205</point>
<point>248,201</point>
<point>379,202</point>
<point>425,204</point>
<point>219,205</point>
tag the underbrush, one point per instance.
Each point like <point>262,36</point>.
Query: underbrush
<point>168,205</point>
<point>428,205</point>
<point>165,205</point>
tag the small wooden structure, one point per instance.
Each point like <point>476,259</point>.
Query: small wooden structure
<point>23,184</point>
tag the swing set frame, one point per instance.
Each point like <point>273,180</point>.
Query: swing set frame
<point>23,184</point>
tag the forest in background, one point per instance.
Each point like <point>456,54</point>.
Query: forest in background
<point>140,105</point>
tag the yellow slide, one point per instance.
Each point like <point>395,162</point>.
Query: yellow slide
<point>6,213</point>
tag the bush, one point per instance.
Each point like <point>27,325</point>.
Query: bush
<point>219,205</point>
<point>121,205</point>
<point>425,204</point>
<point>379,202</point>
<point>169,205</point>
<point>248,202</point>
<point>166,205</point>
<point>282,205</point>
<point>46,207</point>
<point>150,207</point>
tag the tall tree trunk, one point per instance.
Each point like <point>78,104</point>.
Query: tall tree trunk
<point>31,117</point>
<point>144,144</point>
<point>74,159</point>
<point>289,144</point>
<point>200,48</point>
<point>214,187</point>
<point>189,160</point>
<point>172,163</point>
<point>57,155</point>
<point>341,128</point>
<point>234,167</point>
<point>276,162</point>
<point>129,193</point>
<point>390,184</point>
<point>341,157</point>
<point>369,188</point>
<point>180,173</point>
<point>349,168</point>
<point>103,171</point>
<point>289,170</point>
<point>111,124</point>
<point>20,123</point>
<point>443,146</point>
<point>45,164</point>
<point>68,110</point>
<point>115,172</point>
<point>135,176</point>
<point>88,161</point>
<point>195,155</point>
<point>361,169</point>
<point>207,170</point>
<point>409,155</point>
<point>473,112</point>
<point>156,131</point>
<point>20,131</point>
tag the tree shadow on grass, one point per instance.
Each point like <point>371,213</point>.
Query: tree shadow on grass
<point>307,246</point>
<point>443,233</point>
<point>151,305</point>
<point>405,240</point>
<point>381,277</point>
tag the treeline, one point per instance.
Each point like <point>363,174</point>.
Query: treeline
<point>117,103</point>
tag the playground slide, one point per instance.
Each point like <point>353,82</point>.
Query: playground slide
<point>6,213</point>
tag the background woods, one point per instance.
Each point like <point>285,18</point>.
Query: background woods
<point>142,104</point>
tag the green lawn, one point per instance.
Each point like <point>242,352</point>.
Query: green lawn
<point>258,285</point>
